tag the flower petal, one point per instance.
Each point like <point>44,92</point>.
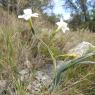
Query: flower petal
<point>25,17</point>
<point>27,11</point>
<point>20,16</point>
<point>34,15</point>
<point>63,30</point>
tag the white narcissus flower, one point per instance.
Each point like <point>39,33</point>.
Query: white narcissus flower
<point>28,14</point>
<point>62,25</point>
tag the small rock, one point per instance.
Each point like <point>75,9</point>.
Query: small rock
<point>3,85</point>
<point>79,50</point>
<point>41,80</point>
<point>24,74</point>
<point>34,87</point>
<point>82,48</point>
<point>28,64</point>
<point>59,63</point>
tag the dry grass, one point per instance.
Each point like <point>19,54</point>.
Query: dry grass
<point>16,47</point>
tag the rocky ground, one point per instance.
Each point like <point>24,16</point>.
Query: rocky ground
<point>43,76</point>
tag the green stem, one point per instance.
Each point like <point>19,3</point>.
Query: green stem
<point>30,22</point>
<point>51,54</point>
<point>53,34</point>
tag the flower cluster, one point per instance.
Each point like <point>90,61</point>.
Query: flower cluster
<point>28,14</point>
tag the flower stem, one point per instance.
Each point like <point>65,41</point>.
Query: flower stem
<point>30,22</point>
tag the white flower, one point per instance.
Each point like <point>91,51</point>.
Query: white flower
<point>62,25</point>
<point>28,14</point>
